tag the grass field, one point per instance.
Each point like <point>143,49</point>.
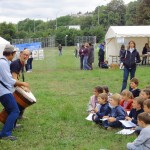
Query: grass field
<point>57,120</point>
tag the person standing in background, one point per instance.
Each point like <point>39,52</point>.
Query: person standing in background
<point>101,54</point>
<point>85,59</point>
<point>144,53</point>
<point>60,49</point>
<point>29,63</point>
<point>91,56</point>
<point>81,54</point>
<point>129,59</point>
<point>122,51</point>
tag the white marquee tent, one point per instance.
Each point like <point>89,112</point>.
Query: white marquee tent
<point>3,43</point>
<point>118,35</point>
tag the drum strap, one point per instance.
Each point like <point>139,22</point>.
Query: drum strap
<point>22,72</point>
<point>4,85</point>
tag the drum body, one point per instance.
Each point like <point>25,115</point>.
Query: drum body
<point>3,116</point>
<point>24,99</point>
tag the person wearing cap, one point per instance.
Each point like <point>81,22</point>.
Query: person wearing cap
<point>17,69</point>
<point>6,97</point>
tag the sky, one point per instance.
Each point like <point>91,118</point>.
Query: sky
<point>17,10</point>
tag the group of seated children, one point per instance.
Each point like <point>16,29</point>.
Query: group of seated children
<point>133,105</point>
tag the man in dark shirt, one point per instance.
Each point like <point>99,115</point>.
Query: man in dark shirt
<point>17,68</point>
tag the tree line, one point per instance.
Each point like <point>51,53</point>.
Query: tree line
<point>95,23</point>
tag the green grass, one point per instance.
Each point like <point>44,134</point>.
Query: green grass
<point>57,120</point>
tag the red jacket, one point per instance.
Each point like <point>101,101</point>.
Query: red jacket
<point>129,104</point>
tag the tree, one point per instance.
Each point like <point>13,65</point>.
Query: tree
<point>7,31</point>
<point>131,16</point>
<point>118,8</point>
<point>143,12</point>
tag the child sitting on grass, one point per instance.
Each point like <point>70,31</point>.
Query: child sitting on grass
<point>137,109</point>
<point>94,99</point>
<point>146,107</point>
<point>103,110</point>
<point>127,100</point>
<point>145,93</point>
<point>117,113</point>
<point>142,142</point>
<point>104,65</point>
<point>106,90</point>
<point>134,82</point>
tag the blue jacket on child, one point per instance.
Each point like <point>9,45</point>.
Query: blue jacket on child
<point>103,111</point>
<point>117,112</point>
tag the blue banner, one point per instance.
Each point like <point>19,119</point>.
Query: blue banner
<point>30,46</point>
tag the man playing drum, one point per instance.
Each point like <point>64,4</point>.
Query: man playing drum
<point>17,68</point>
<point>6,97</point>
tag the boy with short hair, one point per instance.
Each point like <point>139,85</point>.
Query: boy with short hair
<point>142,142</point>
<point>134,87</point>
<point>145,93</point>
<point>146,105</point>
<point>104,108</point>
<point>137,109</point>
<point>116,113</point>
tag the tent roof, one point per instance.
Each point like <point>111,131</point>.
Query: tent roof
<point>127,31</point>
<point>3,41</point>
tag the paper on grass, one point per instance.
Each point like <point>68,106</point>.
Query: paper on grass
<point>89,117</point>
<point>128,124</point>
<point>125,131</point>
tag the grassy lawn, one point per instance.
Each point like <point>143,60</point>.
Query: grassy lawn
<point>57,120</point>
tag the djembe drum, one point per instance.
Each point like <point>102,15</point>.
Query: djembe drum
<point>23,98</point>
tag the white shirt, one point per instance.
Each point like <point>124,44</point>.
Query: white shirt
<point>131,50</point>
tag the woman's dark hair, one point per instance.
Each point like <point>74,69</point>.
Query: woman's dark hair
<point>146,44</point>
<point>122,47</point>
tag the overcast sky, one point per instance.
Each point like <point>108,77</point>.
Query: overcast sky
<point>17,10</point>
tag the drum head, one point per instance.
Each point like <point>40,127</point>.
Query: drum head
<point>27,95</point>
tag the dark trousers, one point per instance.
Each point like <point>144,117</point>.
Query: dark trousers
<point>144,60</point>
<point>81,62</point>
<point>10,105</point>
<point>100,60</point>
<point>115,124</point>
<point>125,76</point>
<point>29,64</point>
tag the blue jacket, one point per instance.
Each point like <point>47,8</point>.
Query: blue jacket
<point>118,112</point>
<point>104,110</point>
